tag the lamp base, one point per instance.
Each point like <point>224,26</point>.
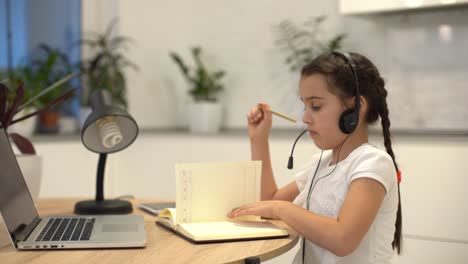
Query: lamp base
<point>103,207</point>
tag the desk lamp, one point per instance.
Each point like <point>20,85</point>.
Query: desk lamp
<point>107,129</point>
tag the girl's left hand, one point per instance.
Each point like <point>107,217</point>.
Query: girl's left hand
<point>267,209</point>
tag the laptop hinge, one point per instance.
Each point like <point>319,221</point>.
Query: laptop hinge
<point>23,234</point>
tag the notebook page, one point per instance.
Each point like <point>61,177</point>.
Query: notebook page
<point>227,230</point>
<point>208,191</point>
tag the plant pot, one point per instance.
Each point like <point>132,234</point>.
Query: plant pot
<point>26,127</point>
<point>48,122</point>
<point>31,168</point>
<point>205,117</point>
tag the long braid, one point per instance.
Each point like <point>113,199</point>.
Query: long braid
<point>397,239</point>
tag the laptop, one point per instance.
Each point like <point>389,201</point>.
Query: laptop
<point>29,231</point>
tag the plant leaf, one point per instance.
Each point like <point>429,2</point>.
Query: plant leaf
<point>95,62</point>
<point>182,66</point>
<point>50,88</point>
<point>92,43</point>
<point>335,43</point>
<point>110,27</point>
<point>23,144</point>
<point>120,40</point>
<point>218,75</point>
<point>16,102</point>
<point>303,43</point>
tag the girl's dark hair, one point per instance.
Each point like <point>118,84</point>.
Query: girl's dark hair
<point>371,87</point>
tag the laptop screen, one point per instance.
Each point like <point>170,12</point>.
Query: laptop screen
<point>16,204</point>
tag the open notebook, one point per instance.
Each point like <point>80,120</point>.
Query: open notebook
<point>220,231</point>
<point>206,192</point>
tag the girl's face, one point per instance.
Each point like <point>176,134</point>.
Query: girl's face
<point>322,111</point>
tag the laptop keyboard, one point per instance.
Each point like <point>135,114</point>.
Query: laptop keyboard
<point>67,229</point>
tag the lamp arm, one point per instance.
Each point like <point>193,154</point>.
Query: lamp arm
<point>100,177</point>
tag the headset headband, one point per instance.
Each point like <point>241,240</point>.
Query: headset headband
<point>352,65</point>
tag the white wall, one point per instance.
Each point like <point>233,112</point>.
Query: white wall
<point>239,37</point>
<point>236,36</point>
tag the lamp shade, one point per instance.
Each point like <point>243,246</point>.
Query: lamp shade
<point>108,128</point>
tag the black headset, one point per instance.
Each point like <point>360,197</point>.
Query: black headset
<point>349,118</point>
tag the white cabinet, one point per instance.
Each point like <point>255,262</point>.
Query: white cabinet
<point>372,6</point>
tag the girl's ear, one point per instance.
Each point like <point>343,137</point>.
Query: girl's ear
<point>364,107</point>
<point>349,103</point>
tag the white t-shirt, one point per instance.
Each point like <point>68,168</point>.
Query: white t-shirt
<point>329,193</point>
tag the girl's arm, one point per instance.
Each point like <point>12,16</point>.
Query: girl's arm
<point>340,236</point>
<point>259,120</point>
<point>269,190</point>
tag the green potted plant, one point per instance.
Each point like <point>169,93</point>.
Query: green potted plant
<point>12,102</point>
<point>205,111</point>
<point>48,65</point>
<point>303,43</point>
<point>105,68</point>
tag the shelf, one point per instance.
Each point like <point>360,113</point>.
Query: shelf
<point>363,7</point>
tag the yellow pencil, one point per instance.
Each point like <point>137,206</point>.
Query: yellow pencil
<point>284,116</point>
<point>278,114</point>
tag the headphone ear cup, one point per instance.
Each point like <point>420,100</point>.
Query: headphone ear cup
<point>348,121</point>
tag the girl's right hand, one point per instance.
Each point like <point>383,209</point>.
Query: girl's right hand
<point>259,121</point>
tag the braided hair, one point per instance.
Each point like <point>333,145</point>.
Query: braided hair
<point>372,87</point>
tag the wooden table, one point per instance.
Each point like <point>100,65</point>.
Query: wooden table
<point>163,246</point>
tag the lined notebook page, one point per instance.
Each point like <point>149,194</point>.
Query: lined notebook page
<point>208,191</point>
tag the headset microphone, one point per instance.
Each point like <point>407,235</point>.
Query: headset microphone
<point>291,159</point>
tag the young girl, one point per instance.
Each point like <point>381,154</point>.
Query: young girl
<point>346,201</point>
